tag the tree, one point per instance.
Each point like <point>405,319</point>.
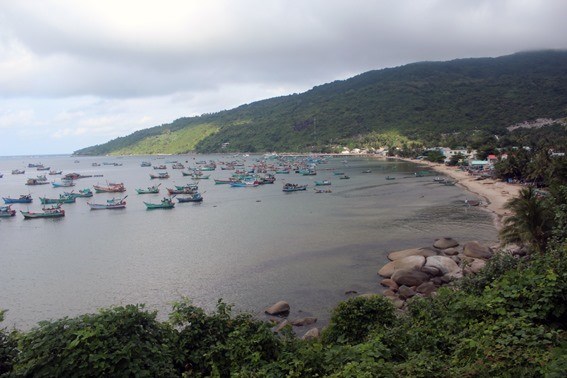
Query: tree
<point>531,222</point>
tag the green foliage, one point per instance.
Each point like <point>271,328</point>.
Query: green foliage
<point>354,319</point>
<point>417,101</point>
<point>121,341</point>
<point>218,344</point>
<point>8,349</point>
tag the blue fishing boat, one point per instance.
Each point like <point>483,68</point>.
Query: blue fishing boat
<point>289,187</point>
<point>24,198</point>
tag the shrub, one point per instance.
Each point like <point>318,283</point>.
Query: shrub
<point>352,320</point>
<point>121,341</point>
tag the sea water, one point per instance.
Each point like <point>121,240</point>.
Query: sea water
<point>249,246</point>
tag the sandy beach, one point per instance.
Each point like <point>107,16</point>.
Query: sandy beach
<point>492,193</point>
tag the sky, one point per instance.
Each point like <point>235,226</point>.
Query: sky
<point>78,73</point>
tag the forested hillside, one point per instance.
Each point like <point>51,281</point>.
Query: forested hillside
<point>420,101</point>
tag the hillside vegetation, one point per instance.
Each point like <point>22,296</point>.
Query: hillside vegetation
<point>419,101</point>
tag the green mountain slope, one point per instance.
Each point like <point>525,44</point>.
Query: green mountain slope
<point>416,100</point>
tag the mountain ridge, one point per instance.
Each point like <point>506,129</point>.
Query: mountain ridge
<point>417,100</point>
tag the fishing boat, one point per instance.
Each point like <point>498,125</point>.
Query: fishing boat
<point>48,212</point>
<point>6,211</point>
<point>367,171</point>
<point>197,197</point>
<point>177,166</point>
<point>18,172</point>
<point>201,177</point>
<point>145,164</point>
<point>62,199</point>
<point>84,193</point>
<point>345,177</point>
<point>52,173</point>
<point>282,171</point>
<point>40,180</point>
<point>76,176</point>
<point>322,183</point>
<point>42,168</point>
<point>338,173</point>
<point>160,166</point>
<point>24,198</point>
<point>111,188</point>
<point>181,190</point>
<point>187,186</point>
<point>114,203</point>
<point>160,175</point>
<point>244,184</point>
<point>63,184</point>
<point>149,190</point>
<point>469,202</point>
<point>289,187</point>
<point>220,181</point>
<point>390,178</point>
<point>323,190</point>
<point>166,203</point>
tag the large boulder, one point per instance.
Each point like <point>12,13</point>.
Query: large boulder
<point>426,288</point>
<point>313,333</point>
<point>389,283</point>
<point>409,277</point>
<point>476,250</point>
<point>406,263</point>
<point>444,264</point>
<point>411,252</point>
<point>405,292</point>
<point>279,308</point>
<point>474,265</point>
<point>444,243</point>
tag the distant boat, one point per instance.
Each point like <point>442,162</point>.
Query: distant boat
<point>322,183</point>
<point>197,197</point>
<point>37,181</point>
<point>244,184</point>
<point>166,203</point>
<point>390,178</point>
<point>114,203</point>
<point>345,177</point>
<point>18,172</point>
<point>63,184</point>
<point>24,198</point>
<point>6,211</point>
<point>160,175</point>
<point>160,166</point>
<point>289,187</point>
<point>145,164</point>
<point>62,199</point>
<point>178,166</point>
<point>338,173</point>
<point>111,188</point>
<point>367,171</point>
<point>85,193</point>
<point>472,202</point>
<point>150,190</point>
<point>55,172</point>
<point>220,181</point>
<point>48,212</point>
<point>323,190</point>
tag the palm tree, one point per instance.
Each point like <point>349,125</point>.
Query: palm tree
<point>531,222</point>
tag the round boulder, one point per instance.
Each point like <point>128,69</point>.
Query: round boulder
<point>313,333</point>
<point>444,264</point>
<point>476,250</point>
<point>409,277</point>
<point>279,308</point>
<point>426,288</point>
<point>444,243</point>
<point>389,283</point>
<point>407,263</point>
<point>411,252</point>
<point>405,292</point>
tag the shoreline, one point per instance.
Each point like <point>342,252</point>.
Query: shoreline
<point>493,193</point>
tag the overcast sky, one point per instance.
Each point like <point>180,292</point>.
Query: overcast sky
<point>78,73</point>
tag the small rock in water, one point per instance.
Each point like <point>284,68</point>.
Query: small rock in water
<point>279,308</point>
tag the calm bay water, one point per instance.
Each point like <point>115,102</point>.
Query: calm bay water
<point>249,246</point>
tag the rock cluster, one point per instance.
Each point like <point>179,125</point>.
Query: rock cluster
<point>281,309</point>
<point>420,271</point>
